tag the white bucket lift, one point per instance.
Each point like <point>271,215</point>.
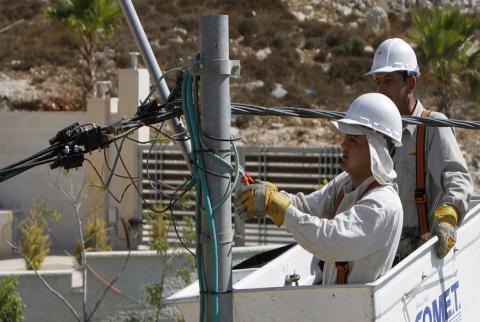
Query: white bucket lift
<point>421,288</point>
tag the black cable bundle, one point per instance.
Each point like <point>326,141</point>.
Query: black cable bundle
<point>68,147</point>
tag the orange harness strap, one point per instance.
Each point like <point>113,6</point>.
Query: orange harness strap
<point>420,196</point>
<point>342,267</point>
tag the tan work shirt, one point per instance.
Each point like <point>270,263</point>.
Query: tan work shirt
<point>447,179</point>
<point>364,232</point>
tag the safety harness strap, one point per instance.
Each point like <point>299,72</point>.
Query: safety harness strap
<point>342,267</point>
<point>420,197</point>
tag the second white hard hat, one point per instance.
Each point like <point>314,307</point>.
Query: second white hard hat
<point>373,111</point>
<point>394,55</point>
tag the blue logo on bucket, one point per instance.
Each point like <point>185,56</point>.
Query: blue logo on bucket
<point>446,307</point>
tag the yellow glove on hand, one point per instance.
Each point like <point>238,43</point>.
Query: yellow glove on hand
<point>444,225</point>
<point>260,199</point>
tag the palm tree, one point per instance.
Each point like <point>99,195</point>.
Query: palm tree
<point>92,21</point>
<point>445,41</point>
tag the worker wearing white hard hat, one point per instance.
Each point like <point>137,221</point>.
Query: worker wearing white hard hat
<point>353,223</point>
<point>434,183</point>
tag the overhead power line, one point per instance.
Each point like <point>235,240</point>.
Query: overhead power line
<point>250,109</point>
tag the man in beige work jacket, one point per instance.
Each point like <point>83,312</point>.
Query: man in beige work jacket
<point>354,223</point>
<point>434,185</point>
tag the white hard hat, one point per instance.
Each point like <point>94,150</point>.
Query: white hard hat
<point>373,111</point>
<point>375,116</point>
<point>394,55</point>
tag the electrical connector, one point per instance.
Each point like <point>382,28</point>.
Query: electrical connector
<point>148,107</point>
<point>176,92</point>
<point>67,134</point>
<point>92,139</point>
<point>115,128</point>
<point>69,158</point>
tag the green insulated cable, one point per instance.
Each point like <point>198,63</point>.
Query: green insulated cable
<point>198,168</point>
<point>206,195</point>
<point>199,257</point>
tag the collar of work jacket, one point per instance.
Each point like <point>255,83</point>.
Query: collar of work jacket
<point>417,111</point>
<point>351,196</point>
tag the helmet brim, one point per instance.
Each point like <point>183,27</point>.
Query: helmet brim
<point>390,69</point>
<point>349,127</point>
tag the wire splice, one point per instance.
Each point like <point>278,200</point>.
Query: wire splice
<point>148,108</point>
<point>67,134</point>
<point>93,139</point>
<point>71,157</point>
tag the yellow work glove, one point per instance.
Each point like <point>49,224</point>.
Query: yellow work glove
<point>260,199</point>
<point>444,226</point>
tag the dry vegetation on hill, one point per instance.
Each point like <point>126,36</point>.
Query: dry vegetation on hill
<point>327,59</point>
<point>317,51</point>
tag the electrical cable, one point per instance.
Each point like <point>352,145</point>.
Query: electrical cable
<point>57,151</point>
<point>198,241</point>
<point>170,137</point>
<point>34,156</point>
<point>198,227</point>
<point>148,165</point>
<point>194,133</point>
<point>135,178</point>
<point>135,186</point>
<point>220,139</point>
<point>12,172</point>
<point>154,88</point>
<point>112,171</point>
<point>234,170</point>
<point>250,109</point>
<point>103,187</point>
<point>188,185</point>
<point>128,126</point>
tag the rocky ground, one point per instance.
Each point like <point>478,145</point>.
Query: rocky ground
<point>293,53</point>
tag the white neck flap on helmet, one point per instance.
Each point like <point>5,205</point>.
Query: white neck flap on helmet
<point>375,116</point>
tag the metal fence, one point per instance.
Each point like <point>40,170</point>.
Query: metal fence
<point>291,169</point>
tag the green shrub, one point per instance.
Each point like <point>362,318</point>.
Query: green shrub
<point>11,306</point>
<point>154,293</point>
<point>159,240</point>
<point>446,43</point>
<point>35,242</point>
<point>95,237</point>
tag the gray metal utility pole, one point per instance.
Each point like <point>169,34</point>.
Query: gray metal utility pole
<point>215,68</point>
<point>154,71</point>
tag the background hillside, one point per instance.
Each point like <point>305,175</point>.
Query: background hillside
<point>318,53</point>
<point>293,53</point>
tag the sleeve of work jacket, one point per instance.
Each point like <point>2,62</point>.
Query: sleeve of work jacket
<point>351,235</point>
<point>321,202</point>
<point>448,170</point>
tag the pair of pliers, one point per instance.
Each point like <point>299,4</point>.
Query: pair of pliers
<point>246,177</point>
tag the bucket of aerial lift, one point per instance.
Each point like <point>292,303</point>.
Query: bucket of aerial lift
<point>421,288</point>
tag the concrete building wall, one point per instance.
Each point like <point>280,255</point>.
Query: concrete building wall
<point>25,133</point>
<point>133,87</point>
<point>6,219</point>
<point>21,135</point>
